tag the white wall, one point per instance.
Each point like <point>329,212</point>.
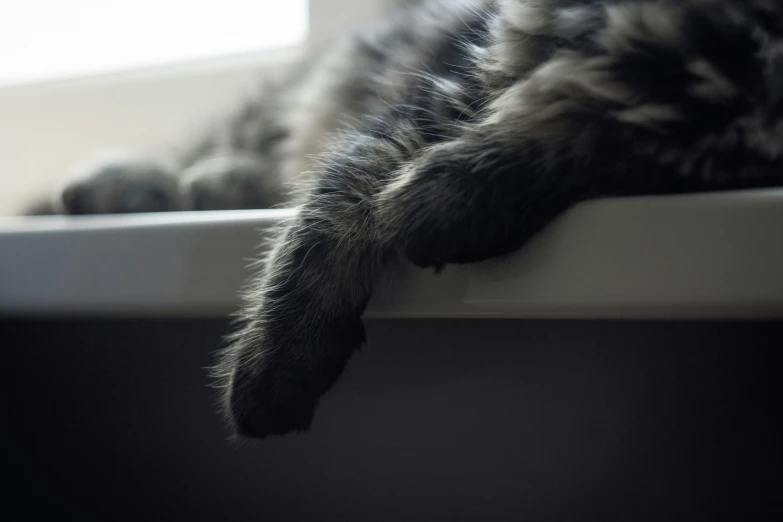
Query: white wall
<point>47,129</point>
<point>330,18</point>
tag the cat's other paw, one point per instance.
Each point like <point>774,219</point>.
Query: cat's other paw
<point>273,377</point>
<point>234,180</point>
<point>440,210</point>
<point>122,185</point>
<point>473,199</point>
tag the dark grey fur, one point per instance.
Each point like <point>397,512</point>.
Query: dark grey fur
<point>475,123</point>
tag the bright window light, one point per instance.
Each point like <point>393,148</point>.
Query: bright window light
<point>50,39</point>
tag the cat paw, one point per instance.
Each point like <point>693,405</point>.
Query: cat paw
<point>429,217</point>
<point>231,181</point>
<point>274,389</point>
<point>460,203</point>
<point>431,245</point>
<point>122,186</point>
<point>263,403</point>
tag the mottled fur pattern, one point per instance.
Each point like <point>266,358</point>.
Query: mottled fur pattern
<point>474,124</point>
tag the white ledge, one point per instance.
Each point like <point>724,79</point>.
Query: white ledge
<point>688,257</point>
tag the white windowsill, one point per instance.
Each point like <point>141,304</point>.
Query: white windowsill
<point>689,257</point>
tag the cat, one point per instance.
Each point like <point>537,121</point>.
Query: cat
<point>472,124</point>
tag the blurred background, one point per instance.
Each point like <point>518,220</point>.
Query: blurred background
<point>78,77</point>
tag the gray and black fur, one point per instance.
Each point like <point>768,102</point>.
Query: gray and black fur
<point>471,126</point>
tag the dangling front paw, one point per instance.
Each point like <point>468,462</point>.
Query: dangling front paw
<point>122,185</point>
<point>268,400</point>
<point>274,374</point>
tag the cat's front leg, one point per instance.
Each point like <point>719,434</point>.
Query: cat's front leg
<point>302,316</point>
<point>302,322</point>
